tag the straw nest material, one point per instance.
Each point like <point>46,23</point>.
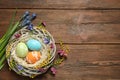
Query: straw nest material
<point>19,65</point>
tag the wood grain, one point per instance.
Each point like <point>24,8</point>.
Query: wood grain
<point>91,29</point>
<point>84,62</point>
<point>68,72</point>
<point>67,16</point>
<point>61,4</point>
<point>75,26</point>
<point>93,55</point>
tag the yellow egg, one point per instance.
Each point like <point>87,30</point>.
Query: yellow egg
<point>33,57</point>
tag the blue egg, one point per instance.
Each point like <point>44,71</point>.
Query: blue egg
<point>33,44</point>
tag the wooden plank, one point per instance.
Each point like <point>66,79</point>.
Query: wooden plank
<point>68,72</point>
<point>94,54</point>
<point>61,4</point>
<point>76,26</point>
<point>67,16</point>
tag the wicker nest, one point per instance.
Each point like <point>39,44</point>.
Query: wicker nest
<point>20,66</point>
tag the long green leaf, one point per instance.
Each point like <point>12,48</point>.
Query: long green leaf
<point>1,66</point>
<point>2,59</point>
<point>3,45</point>
<point>2,52</point>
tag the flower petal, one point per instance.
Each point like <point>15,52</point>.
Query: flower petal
<point>53,70</point>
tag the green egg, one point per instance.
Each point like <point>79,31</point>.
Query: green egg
<point>21,50</point>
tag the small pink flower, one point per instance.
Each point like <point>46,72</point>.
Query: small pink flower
<point>62,53</point>
<point>41,70</point>
<point>17,35</point>
<point>51,46</point>
<point>44,24</point>
<point>65,55</point>
<point>53,70</point>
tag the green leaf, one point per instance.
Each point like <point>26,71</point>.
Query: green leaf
<point>2,52</point>
<point>2,60</point>
<point>1,66</point>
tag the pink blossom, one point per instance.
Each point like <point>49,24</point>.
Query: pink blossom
<point>53,70</point>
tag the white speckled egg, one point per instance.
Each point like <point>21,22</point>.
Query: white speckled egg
<point>33,44</point>
<point>21,49</point>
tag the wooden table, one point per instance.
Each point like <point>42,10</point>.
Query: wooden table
<point>91,29</point>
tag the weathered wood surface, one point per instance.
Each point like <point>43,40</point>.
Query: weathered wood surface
<point>61,4</point>
<point>70,72</point>
<point>75,17</point>
<point>91,29</point>
<point>75,26</point>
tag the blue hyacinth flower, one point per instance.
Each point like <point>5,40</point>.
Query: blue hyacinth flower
<point>30,27</point>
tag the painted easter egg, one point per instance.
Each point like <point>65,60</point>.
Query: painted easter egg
<point>34,44</point>
<point>33,57</point>
<point>21,49</point>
